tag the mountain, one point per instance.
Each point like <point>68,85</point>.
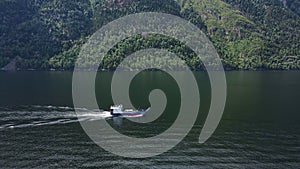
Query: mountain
<point>248,34</point>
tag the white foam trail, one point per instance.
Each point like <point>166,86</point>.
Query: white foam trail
<point>37,115</point>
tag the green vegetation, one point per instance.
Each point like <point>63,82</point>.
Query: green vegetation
<point>248,34</point>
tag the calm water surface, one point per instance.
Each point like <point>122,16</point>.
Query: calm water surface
<point>260,127</point>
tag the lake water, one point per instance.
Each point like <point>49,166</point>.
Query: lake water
<point>260,127</point>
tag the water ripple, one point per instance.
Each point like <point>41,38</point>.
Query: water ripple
<point>32,116</point>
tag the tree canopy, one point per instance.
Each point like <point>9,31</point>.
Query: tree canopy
<point>248,34</point>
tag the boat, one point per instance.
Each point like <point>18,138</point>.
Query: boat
<point>118,111</point>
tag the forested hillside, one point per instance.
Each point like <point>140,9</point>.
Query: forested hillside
<point>248,34</point>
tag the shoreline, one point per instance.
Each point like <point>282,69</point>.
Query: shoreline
<point>86,70</point>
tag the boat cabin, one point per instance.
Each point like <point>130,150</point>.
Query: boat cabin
<point>116,110</point>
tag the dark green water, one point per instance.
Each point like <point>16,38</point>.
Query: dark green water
<point>260,127</point>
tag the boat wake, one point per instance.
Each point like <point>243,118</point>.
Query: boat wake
<point>31,116</point>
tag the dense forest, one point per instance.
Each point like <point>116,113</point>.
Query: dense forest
<point>248,34</point>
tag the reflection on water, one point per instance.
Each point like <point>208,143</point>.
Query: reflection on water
<point>118,121</point>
